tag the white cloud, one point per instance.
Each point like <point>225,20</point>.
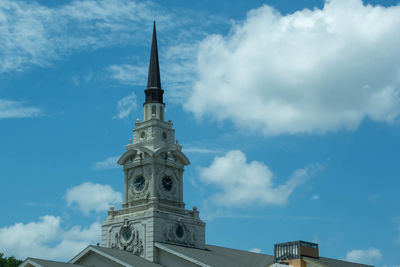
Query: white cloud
<point>125,106</point>
<point>108,163</point>
<point>48,238</point>
<point>255,250</point>
<point>313,71</point>
<point>36,34</point>
<point>93,197</point>
<point>179,71</point>
<point>15,109</point>
<point>364,256</point>
<point>243,183</point>
<point>201,150</point>
<point>315,197</point>
<point>129,74</point>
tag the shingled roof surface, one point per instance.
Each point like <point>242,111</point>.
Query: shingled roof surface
<point>47,263</point>
<point>221,256</point>
<point>124,256</point>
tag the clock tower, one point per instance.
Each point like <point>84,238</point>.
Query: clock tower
<point>153,209</point>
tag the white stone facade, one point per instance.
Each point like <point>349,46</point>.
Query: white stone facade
<point>153,209</point>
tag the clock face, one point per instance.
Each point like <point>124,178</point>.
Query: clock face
<point>167,183</point>
<point>139,183</point>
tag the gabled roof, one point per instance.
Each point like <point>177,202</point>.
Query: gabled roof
<point>45,263</point>
<point>216,256</point>
<point>173,148</point>
<point>121,257</point>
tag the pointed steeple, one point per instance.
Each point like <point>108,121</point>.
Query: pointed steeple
<point>154,93</point>
<point>154,80</point>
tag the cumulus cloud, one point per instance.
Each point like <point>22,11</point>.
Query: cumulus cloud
<point>313,71</point>
<point>125,106</point>
<point>243,183</point>
<point>47,237</point>
<point>93,197</point>
<point>16,109</point>
<point>108,163</point>
<point>364,256</point>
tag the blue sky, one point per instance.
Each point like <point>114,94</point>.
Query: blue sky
<point>301,99</point>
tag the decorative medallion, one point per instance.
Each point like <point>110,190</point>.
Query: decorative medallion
<point>143,135</point>
<point>179,231</point>
<point>179,234</point>
<point>127,238</point>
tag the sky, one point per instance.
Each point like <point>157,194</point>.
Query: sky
<point>288,111</point>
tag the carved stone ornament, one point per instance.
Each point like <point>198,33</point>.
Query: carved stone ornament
<point>180,234</point>
<point>127,238</point>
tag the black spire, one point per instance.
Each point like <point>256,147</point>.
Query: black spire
<point>154,80</point>
<point>154,93</point>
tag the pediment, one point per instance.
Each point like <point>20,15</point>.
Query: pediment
<point>91,256</point>
<point>173,149</point>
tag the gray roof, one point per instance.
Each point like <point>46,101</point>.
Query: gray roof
<point>339,263</point>
<point>221,256</point>
<point>127,257</point>
<point>212,256</point>
<point>47,263</point>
